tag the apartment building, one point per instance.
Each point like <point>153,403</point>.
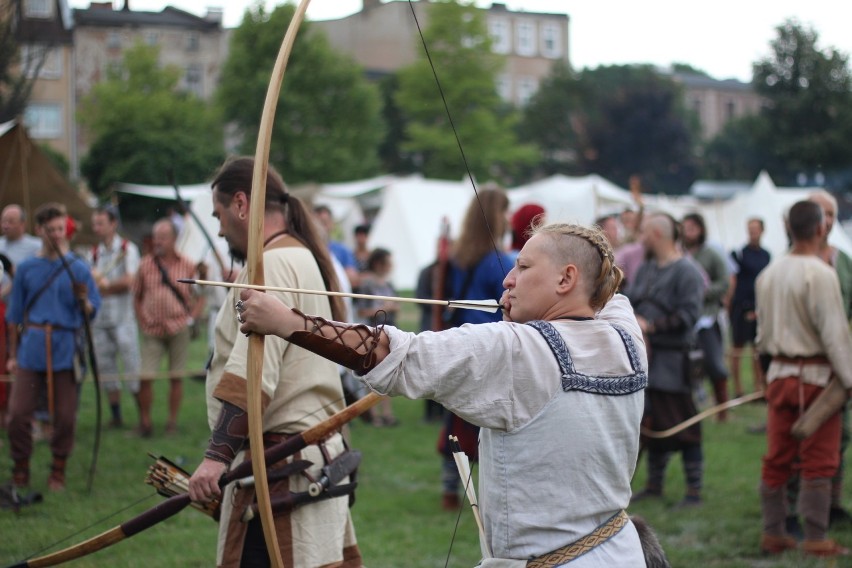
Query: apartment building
<point>44,31</point>
<point>717,102</point>
<point>195,44</point>
<point>382,37</point>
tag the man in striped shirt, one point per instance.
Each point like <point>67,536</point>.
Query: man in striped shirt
<point>165,311</point>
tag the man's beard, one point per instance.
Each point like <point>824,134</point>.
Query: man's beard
<point>237,255</point>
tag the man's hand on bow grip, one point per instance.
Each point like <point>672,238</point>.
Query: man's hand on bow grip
<point>267,315</point>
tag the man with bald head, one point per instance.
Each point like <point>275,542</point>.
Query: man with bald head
<point>165,311</point>
<point>836,258</point>
<point>15,242</point>
<point>842,264</point>
<point>667,294</point>
<point>801,325</point>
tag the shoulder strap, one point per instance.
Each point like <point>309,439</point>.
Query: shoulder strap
<point>47,283</point>
<point>170,285</point>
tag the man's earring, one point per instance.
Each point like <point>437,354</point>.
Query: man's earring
<point>242,216</point>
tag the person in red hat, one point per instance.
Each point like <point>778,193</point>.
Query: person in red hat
<point>522,221</point>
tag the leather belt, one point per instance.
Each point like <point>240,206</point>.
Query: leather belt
<point>579,547</point>
<point>272,438</point>
<point>804,360</point>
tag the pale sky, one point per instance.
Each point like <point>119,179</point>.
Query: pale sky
<point>723,37</point>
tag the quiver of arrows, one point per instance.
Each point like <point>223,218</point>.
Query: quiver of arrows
<point>169,479</point>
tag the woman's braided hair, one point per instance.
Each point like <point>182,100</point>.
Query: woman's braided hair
<point>588,248</point>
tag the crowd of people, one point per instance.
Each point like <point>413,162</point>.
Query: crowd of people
<point>605,331</point>
<point>52,297</point>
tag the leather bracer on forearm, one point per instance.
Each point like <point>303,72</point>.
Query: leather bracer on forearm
<point>350,345</point>
<point>229,434</point>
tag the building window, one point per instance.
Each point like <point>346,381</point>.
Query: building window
<point>551,40</point>
<point>525,38</point>
<point>114,70</point>
<point>498,29</point>
<point>42,59</point>
<point>193,42</point>
<point>696,106</point>
<point>44,120</point>
<point>114,40</point>
<point>504,87</point>
<point>730,110</point>
<point>151,38</point>
<point>38,8</point>
<point>527,87</point>
<point>194,79</point>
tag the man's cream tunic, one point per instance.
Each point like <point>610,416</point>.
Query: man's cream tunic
<point>300,390</point>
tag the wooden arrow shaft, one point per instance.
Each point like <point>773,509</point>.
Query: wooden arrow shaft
<point>483,305</point>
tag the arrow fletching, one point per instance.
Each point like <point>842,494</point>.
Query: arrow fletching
<point>491,306</point>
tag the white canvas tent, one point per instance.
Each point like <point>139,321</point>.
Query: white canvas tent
<point>726,220</point>
<point>411,210</point>
<point>409,222</point>
<point>572,199</point>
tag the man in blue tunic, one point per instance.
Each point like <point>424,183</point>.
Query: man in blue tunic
<point>49,293</point>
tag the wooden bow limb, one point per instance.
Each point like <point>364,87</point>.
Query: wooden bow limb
<point>701,416</point>
<point>93,363</point>
<point>257,208</point>
<point>176,504</point>
<point>481,305</point>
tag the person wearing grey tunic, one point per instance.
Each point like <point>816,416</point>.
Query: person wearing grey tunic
<point>667,296</point>
<point>557,387</point>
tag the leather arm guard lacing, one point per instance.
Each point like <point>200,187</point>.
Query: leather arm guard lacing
<point>350,345</point>
<point>229,435</point>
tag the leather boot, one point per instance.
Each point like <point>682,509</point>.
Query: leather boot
<point>56,480</point>
<point>773,504</point>
<point>21,474</point>
<point>814,504</point>
<point>824,548</point>
<point>450,502</point>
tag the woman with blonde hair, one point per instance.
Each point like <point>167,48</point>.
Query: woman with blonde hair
<point>557,388</point>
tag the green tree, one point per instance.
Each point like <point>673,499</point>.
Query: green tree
<point>737,151</point>
<point>638,125</point>
<point>808,121</point>
<point>552,121</point>
<point>145,129</point>
<point>615,121</point>
<point>394,159</point>
<point>688,69</point>
<point>460,51</point>
<point>16,76</point>
<point>328,124</point>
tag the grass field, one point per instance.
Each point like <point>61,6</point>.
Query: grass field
<point>397,515</point>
